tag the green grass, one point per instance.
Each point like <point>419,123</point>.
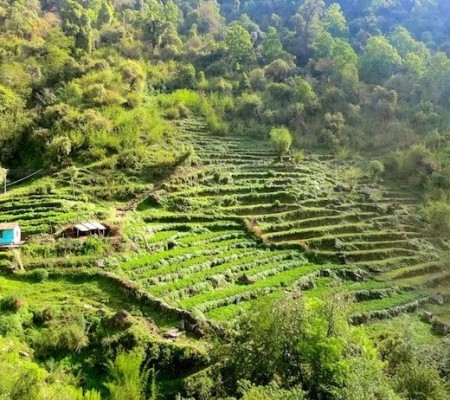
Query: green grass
<point>68,290</point>
<point>407,325</point>
<point>152,259</point>
<point>389,302</point>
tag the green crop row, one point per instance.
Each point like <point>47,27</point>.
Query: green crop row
<point>309,233</point>
<point>175,271</point>
<point>283,279</point>
<point>170,255</point>
<point>209,237</point>
<point>228,269</point>
<point>320,221</point>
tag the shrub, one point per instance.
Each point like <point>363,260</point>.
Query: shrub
<point>200,385</point>
<point>46,188</point>
<point>68,333</point>
<point>281,139</point>
<point>216,125</point>
<point>278,70</point>
<point>134,100</point>
<point>59,149</point>
<point>299,156</point>
<point>93,246</point>
<point>39,275</point>
<point>183,111</point>
<point>44,315</point>
<point>128,380</point>
<point>172,113</point>
<point>253,228</point>
<point>223,178</point>
<point>417,164</point>
<point>343,154</point>
<point>270,392</point>
<point>128,159</point>
<point>376,169</point>
<point>351,176</point>
<point>419,381</point>
<point>10,325</point>
<point>437,215</point>
<point>12,304</point>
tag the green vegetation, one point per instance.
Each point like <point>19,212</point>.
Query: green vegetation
<point>234,265</point>
<point>281,139</point>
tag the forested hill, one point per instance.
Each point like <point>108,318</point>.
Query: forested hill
<point>80,79</point>
<point>225,199</point>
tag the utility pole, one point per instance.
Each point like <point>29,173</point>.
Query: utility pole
<point>5,171</point>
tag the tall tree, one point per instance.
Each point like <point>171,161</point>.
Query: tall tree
<point>271,47</point>
<point>379,61</point>
<point>77,23</point>
<point>335,22</point>
<point>307,25</point>
<point>239,46</point>
<point>157,17</point>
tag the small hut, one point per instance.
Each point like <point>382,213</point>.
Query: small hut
<point>89,228</point>
<point>10,234</point>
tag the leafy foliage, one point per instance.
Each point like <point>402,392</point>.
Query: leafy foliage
<point>281,139</point>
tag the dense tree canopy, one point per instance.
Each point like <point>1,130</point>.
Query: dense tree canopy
<point>302,60</point>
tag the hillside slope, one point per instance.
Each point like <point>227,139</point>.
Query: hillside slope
<point>240,227</point>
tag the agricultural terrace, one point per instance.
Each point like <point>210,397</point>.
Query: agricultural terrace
<point>230,228</point>
<point>239,227</point>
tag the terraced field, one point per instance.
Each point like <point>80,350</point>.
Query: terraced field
<point>241,227</point>
<point>41,208</point>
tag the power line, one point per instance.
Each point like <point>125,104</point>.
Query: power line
<point>22,179</point>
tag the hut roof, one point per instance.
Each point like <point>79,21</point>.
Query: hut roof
<point>81,228</point>
<point>89,226</point>
<point>97,225</point>
<point>9,225</point>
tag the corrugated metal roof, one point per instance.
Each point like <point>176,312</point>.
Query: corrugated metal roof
<point>97,225</point>
<point>90,226</point>
<point>81,228</point>
<point>9,225</point>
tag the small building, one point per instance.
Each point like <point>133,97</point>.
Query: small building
<point>10,234</point>
<point>89,228</point>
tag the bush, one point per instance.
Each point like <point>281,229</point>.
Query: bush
<point>39,275</point>
<point>94,246</point>
<point>376,169</point>
<point>417,164</point>
<point>59,149</point>
<point>172,113</point>
<point>42,316</point>
<point>128,159</point>
<point>420,382</point>
<point>183,111</point>
<point>129,380</point>
<point>68,333</point>
<point>270,392</point>
<point>299,156</point>
<point>281,139</point>
<point>437,215</point>
<point>12,304</point>
<point>46,188</point>
<point>10,325</point>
